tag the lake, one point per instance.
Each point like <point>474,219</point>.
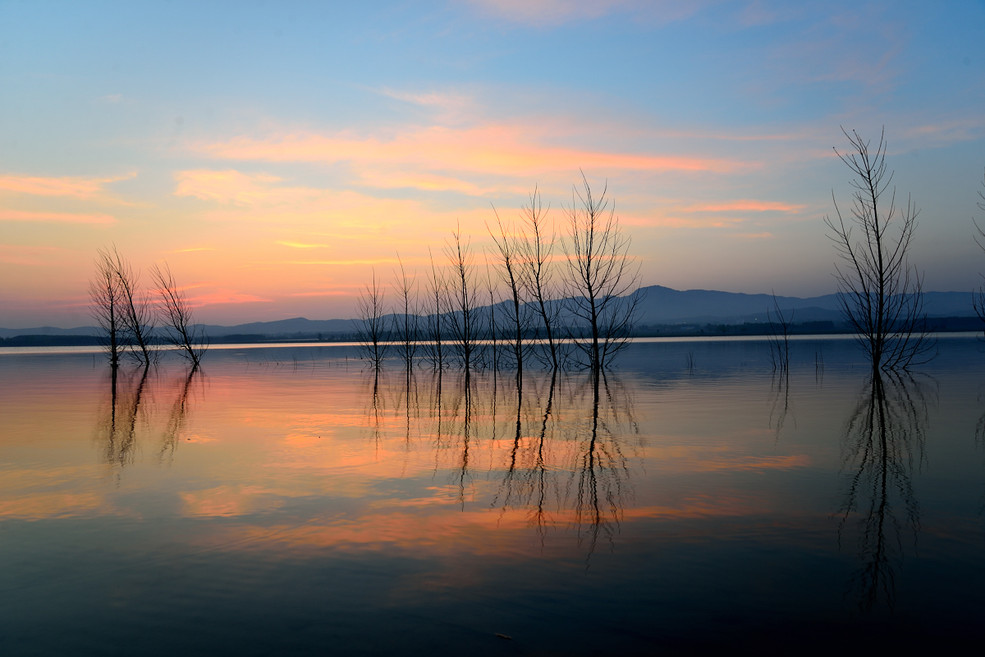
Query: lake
<point>285,500</point>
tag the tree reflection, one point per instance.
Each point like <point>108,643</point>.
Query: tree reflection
<point>884,443</point>
<point>553,442</point>
<point>601,468</point>
<point>129,410</point>
<point>780,405</point>
<point>118,427</point>
<point>176,419</point>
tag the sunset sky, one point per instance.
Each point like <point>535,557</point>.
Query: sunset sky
<point>276,154</point>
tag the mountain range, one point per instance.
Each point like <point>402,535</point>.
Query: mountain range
<point>660,308</point>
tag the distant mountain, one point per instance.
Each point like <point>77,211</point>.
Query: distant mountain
<point>660,306</point>
<point>663,305</point>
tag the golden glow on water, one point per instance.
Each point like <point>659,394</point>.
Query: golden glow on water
<point>369,461</point>
<point>663,493</point>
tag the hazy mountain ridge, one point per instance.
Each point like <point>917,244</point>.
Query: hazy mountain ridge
<point>659,306</point>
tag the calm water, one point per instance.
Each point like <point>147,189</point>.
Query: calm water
<point>285,501</point>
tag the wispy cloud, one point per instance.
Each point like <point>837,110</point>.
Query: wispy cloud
<point>238,188</point>
<point>16,254</point>
<point>74,187</point>
<point>505,150</point>
<point>389,179</point>
<point>303,245</point>
<point>194,249</point>
<point>342,262</point>
<point>547,13</point>
<point>744,205</point>
<point>56,217</point>
<point>225,297</point>
<point>342,291</point>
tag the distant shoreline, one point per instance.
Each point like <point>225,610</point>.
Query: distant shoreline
<point>751,329</point>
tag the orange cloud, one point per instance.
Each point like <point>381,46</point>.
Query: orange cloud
<point>56,217</point>
<point>216,298</point>
<point>495,149</point>
<point>423,181</point>
<point>679,222</point>
<point>302,245</point>
<point>342,262</point>
<point>237,188</point>
<point>28,255</point>
<point>745,205</point>
<point>81,188</point>
<point>340,291</point>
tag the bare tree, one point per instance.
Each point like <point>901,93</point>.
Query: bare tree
<point>978,296</point>
<point>371,325</point>
<point>603,280</point>
<point>437,295</point>
<point>408,329</point>
<point>106,304</point>
<point>492,324</point>
<point>138,313</point>
<point>510,271</point>
<point>881,295</point>
<point>536,252</point>
<point>779,338</point>
<point>179,331</point>
<point>463,318</point>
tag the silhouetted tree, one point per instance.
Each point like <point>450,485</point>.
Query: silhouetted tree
<point>510,272</point>
<point>138,313</point>
<point>779,338</point>
<point>537,273</point>
<point>463,318</point>
<point>176,316</point>
<point>371,326</point>
<point>978,298</point>
<point>437,298</point>
<point>106,303</point>
<point>881,295</point>
<point>602,278</point>
<point>407,329</point>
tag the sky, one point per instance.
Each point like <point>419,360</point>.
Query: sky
<point>278,155</point>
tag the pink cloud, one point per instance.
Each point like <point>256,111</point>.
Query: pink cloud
<point>542,13</point>
<point>218,298</point>
<point>56,217</point>
<point>237,188</point>
<point>75,187</point>
<point>745,205</point>
<point>493,149</point>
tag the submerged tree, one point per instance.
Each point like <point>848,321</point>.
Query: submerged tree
<point>137,310</point>
<point>463,318</point>
<point>603,279</point>
<point>407,328</point>
<point>536,250</point>
<point>881,294</point>
<point>510,271</point>
<point>978,296</point>
<point>437,298</point>
<point>176,315</point>
<point>779,338</point>
<point>371,325</point>
<point>106,303</point>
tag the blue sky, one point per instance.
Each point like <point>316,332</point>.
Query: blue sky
<point>275,154</point>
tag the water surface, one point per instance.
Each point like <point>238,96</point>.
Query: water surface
<point>286,500</point>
